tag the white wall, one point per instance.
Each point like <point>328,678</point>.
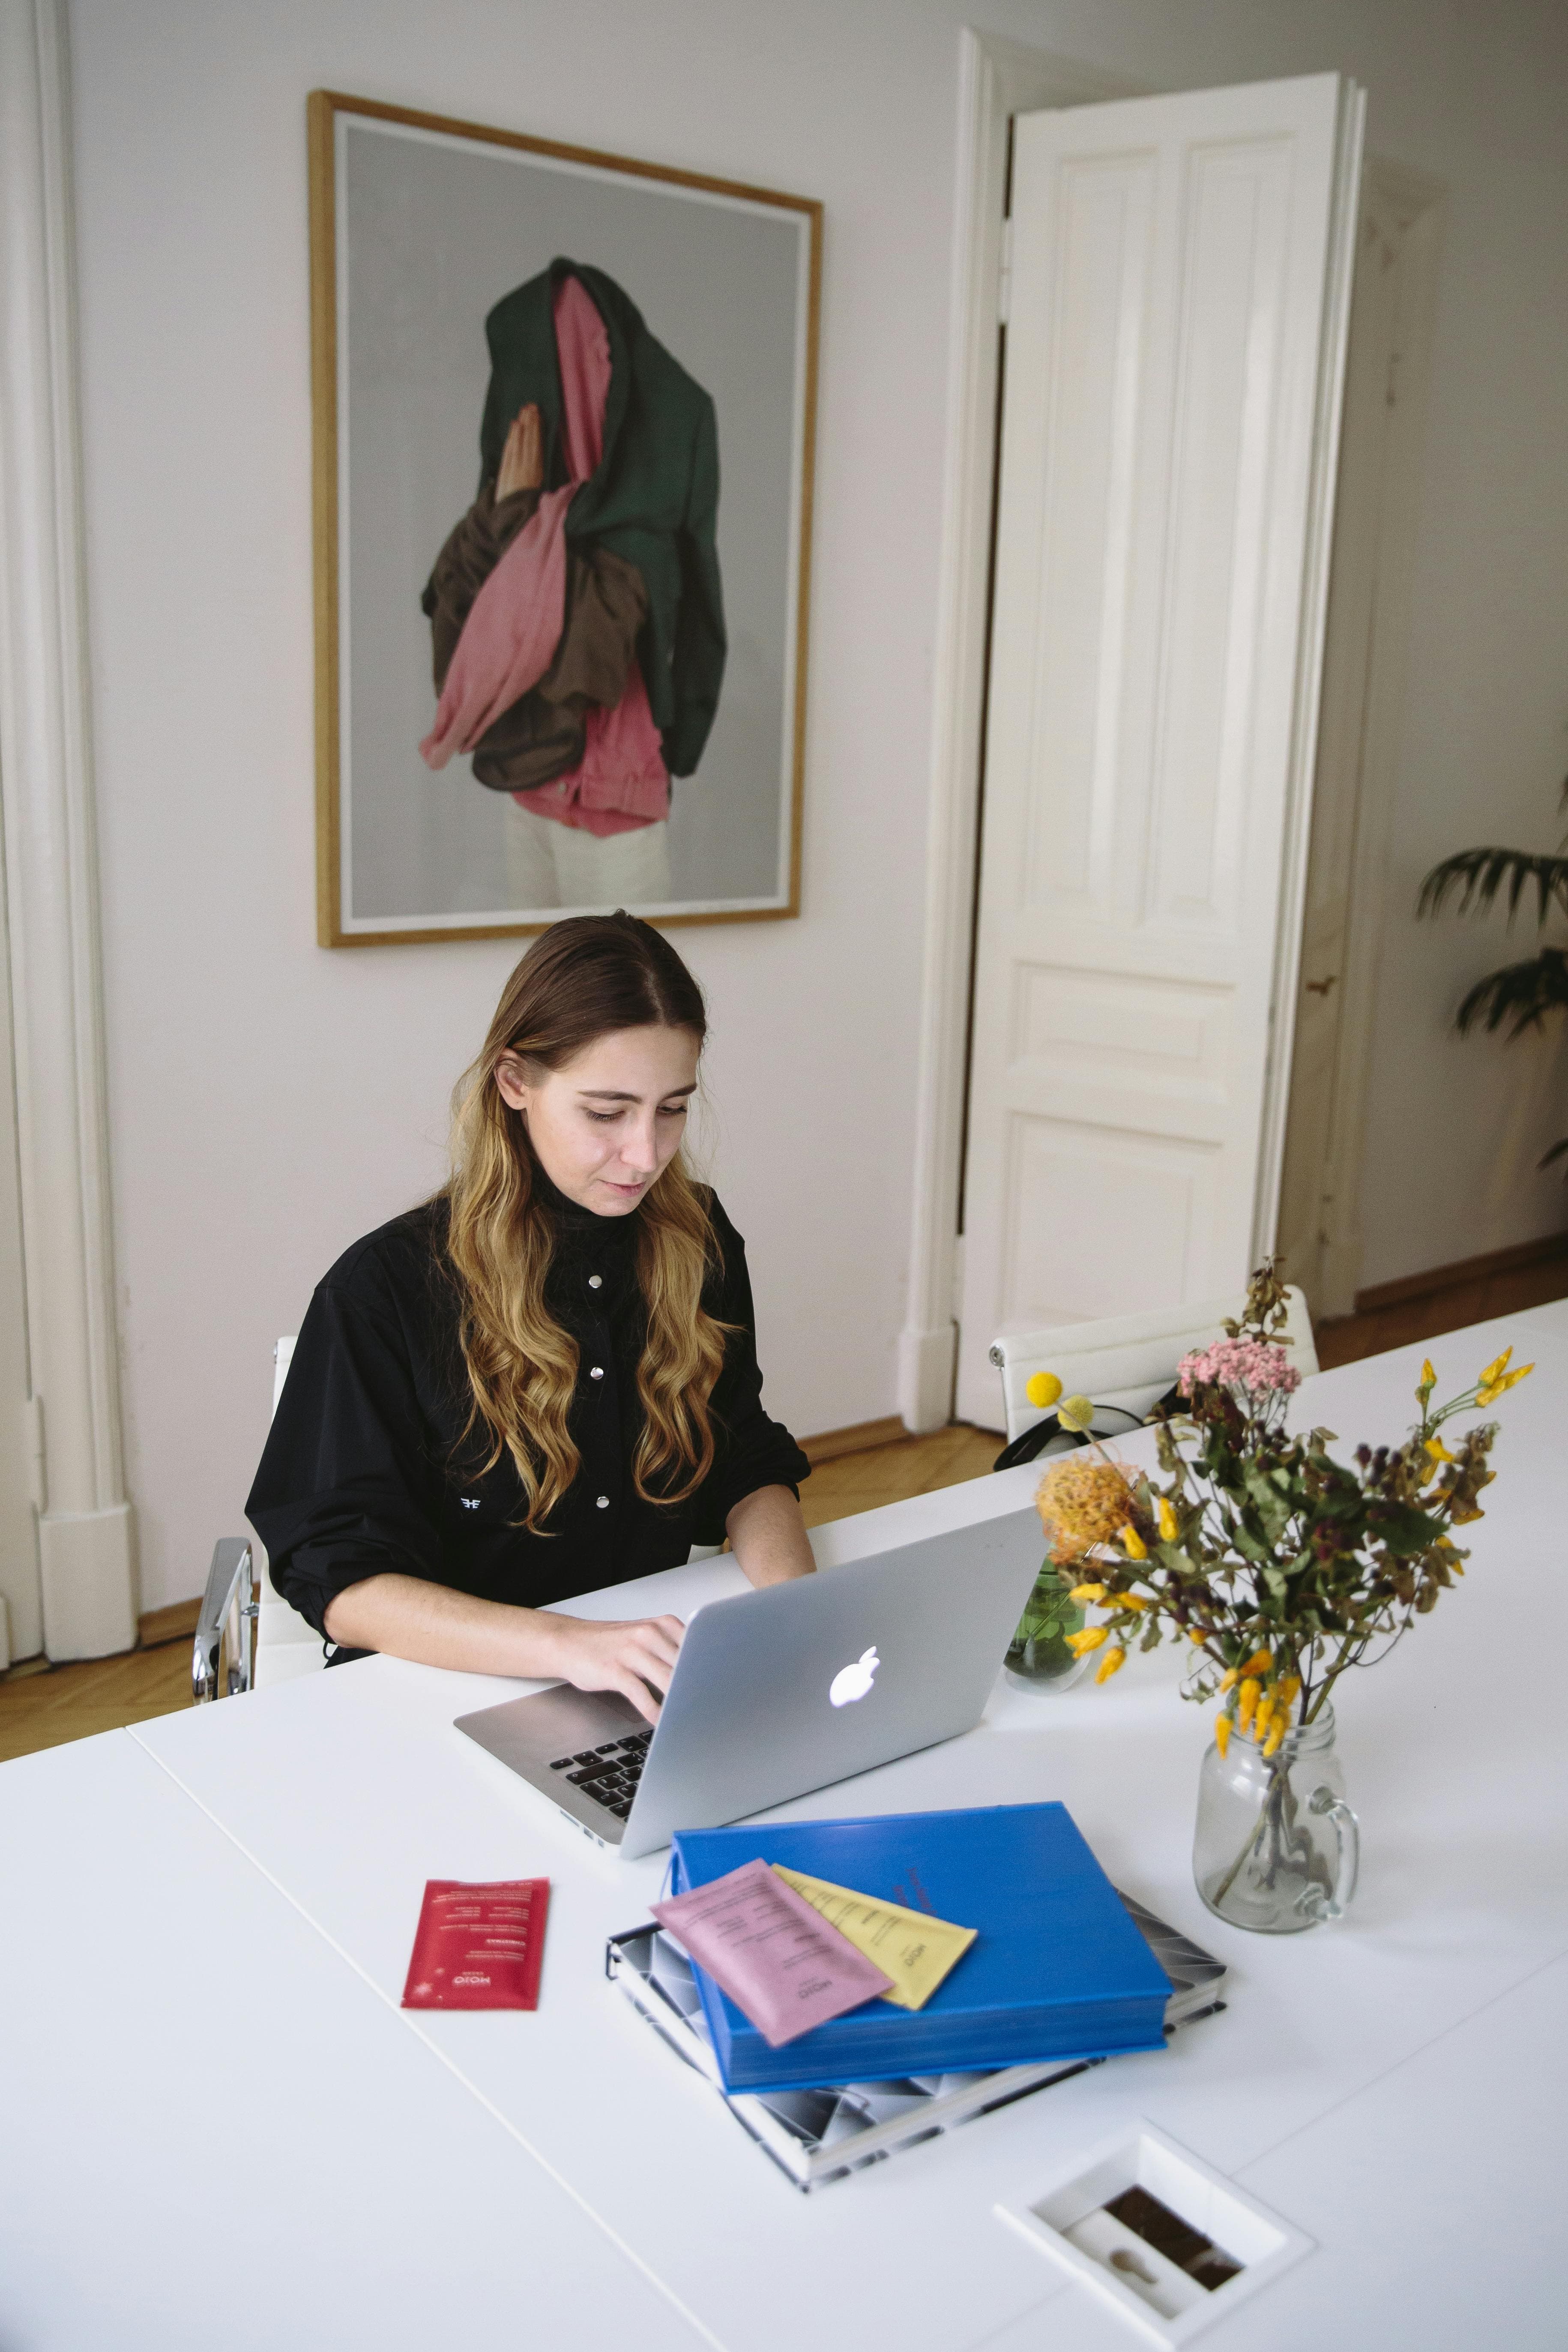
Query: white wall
<point>271,1101</point>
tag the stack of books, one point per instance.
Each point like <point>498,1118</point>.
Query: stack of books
<point>1064,1972</point>
<point>1056,1970</point>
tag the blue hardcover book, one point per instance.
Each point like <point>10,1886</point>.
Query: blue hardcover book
<point>1057,1971</point>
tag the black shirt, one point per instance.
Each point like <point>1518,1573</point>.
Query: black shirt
<point>370,1465</point>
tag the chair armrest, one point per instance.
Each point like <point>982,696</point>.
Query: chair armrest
<point>228,1584</point>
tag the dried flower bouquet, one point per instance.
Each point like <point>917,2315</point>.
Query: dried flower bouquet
<point>1281,1566</point>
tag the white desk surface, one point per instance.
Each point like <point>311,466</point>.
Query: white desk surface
<point>1325,2086</point>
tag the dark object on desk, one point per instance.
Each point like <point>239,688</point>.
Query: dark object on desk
<point>1057,1972</point>
<point>816,2136</point>
<point>1154,2222</point>
<point>1049,1435</point>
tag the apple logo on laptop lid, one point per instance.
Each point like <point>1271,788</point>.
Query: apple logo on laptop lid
<point>851,1683</point>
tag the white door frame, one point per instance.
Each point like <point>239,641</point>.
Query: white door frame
<point>86,1540</point>
<point>1402,222</point>
<point>998,80</point>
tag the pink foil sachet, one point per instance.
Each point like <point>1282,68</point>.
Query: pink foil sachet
<point>775,1957</point>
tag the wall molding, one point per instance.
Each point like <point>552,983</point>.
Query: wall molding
<point>86,1534</point>
<point>997,78</point>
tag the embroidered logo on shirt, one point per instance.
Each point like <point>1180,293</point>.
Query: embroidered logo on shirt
<point>469,1502</point>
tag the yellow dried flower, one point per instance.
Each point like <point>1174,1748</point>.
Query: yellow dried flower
<point>1196,1636</point>
<point>1262,1714</point>
<point>1228,1679</point>
<point>1167,1521</point>
<point>1082,1501</point>
<point>1132,1543</point>
<point>1090,1639</point>
<point>1439,1451</point>
<point>1495,1370</point>
<point>1109,1664</point>
<point>1289,1690</point>
<point>1083,1593</point>
<point>1138,1600</point>
<point>1271,1744</point>
<point>1075,1412</point>
<point>1042,1388</point>
<point>1428,1379</point>
<point>1246,1700</point>
<point>1222,1733</point>
<point>1494,1389</point>
<point>1259,1663</point>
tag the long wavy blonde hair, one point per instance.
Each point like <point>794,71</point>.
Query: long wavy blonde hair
<point>580,981</point>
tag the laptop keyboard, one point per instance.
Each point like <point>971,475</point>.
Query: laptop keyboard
<point>610,1773</point>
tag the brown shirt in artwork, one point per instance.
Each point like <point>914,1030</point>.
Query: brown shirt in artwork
<point>541,735</point>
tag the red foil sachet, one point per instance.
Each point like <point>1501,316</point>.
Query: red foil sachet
<point>478,1946</point>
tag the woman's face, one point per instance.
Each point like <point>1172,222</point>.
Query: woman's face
<point>605,1124</point>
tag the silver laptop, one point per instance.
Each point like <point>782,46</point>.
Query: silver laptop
<point>783,1690</point>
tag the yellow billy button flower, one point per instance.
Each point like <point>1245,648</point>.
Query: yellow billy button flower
<point>1076,1412</point>
<point>1110,1663</point>
<point>1083,1593</point>
<point>1222,1733</point>
<point>1042,1388</point>
<point>1167,1521</point>
<point>1132,1543</point>
<point>1090,1639</point>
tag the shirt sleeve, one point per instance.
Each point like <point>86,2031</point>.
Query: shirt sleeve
<point>343,1491</point>
<point>751,1449</point>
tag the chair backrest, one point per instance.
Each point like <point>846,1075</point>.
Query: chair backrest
<point>1126,1360</point>
<point>285,1646</point>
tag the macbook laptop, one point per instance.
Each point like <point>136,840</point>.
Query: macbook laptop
<point>779,1691</point>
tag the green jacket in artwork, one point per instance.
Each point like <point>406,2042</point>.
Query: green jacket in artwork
<point>654,501</point>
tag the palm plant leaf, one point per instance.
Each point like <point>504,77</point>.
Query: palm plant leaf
<point>1521,994</point>
<point>1480,875</point>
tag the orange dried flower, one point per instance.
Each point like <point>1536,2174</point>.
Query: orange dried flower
<point>1082,1502</point>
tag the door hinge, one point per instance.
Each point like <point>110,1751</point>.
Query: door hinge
<point>37,1460</point>
<point>1005,274</point>
<point>958,1278</point>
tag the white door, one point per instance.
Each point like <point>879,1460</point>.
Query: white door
<point>1180,275</point>
<point>22,1626</point>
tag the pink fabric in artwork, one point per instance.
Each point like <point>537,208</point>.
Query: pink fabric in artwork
<point>510,635</point>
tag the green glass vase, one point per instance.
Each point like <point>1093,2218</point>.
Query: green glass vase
<point>1038,1657</point>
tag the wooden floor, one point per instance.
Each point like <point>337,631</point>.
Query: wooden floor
<point>42,1705</point>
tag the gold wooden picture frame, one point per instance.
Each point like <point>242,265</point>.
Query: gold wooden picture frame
<point>432,241</point>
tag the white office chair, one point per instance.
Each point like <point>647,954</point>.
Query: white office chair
<point>1126,1360</point>
<point>266,1640</point>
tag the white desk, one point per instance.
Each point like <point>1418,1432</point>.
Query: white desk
<point>1387,2084</point>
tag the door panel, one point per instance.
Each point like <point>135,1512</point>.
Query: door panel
<point>1168,337</point>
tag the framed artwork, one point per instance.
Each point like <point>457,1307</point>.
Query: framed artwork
<point>562,408</point>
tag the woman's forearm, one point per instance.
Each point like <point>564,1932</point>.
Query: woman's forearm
<point>407,1618</point>
<point>767,1535</point>
<point>403,1617</point>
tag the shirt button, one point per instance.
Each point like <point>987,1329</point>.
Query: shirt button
<point>595,1282</point>
<point>597,1372</point>
<point>604,1502</point>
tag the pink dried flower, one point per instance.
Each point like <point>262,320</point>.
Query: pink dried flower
<point>1257,1367</point>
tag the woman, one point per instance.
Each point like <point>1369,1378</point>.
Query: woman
<point>545,1380</point>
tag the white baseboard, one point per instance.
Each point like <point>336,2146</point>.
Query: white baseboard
<point>926,1360</point>
<point>88,1569</point>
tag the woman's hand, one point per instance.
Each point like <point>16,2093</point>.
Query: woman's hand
<point>620,1656</point>
<point>522,459</point>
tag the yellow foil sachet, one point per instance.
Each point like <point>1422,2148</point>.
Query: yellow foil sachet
<point>915,1951</point>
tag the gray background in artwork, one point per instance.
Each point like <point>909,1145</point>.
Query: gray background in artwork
<point>435,236</point>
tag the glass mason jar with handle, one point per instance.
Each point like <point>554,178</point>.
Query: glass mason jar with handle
<point>1276,1848</point>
